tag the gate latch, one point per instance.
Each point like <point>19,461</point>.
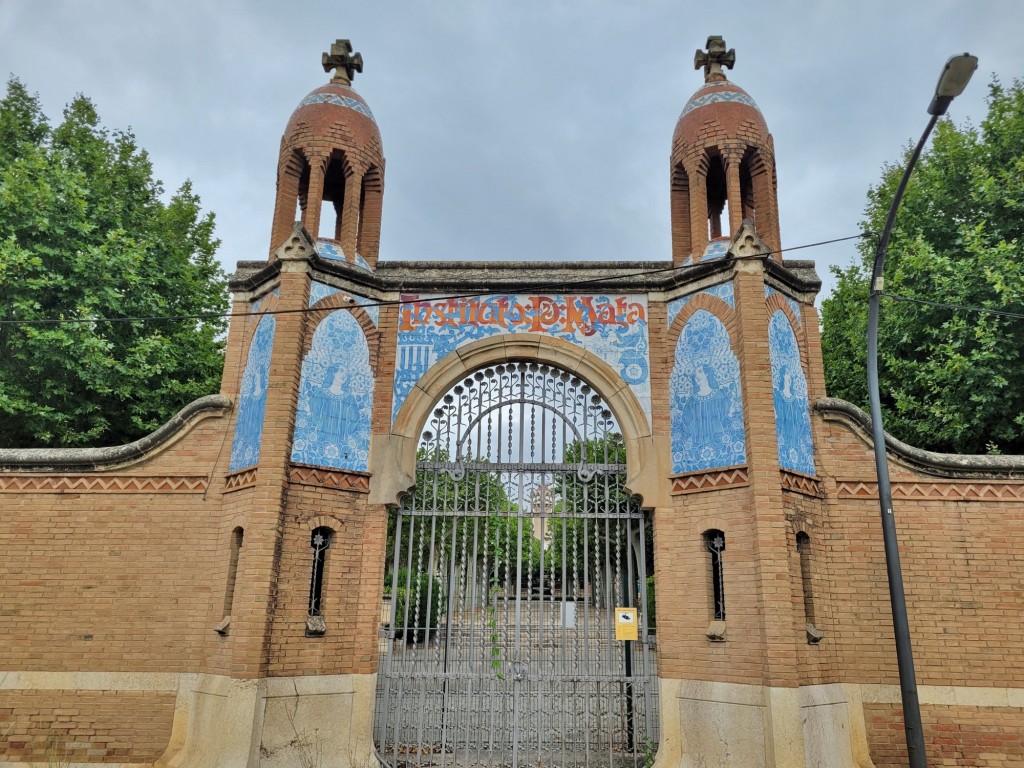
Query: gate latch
<point>517,671</point>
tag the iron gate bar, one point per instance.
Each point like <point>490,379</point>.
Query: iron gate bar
<point>509,558</point>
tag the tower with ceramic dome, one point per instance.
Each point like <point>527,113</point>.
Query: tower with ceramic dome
<point>723,165</point>
<point>330,172</point>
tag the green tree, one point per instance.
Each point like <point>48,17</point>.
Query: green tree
<point>86,235</point>
<point>951,379</point>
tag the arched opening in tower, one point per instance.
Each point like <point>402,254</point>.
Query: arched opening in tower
<point>718,200</point>
<point>332,207</point>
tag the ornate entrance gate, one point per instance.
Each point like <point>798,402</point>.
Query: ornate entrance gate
<point>507,564</point>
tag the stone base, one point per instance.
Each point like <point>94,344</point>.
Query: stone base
<point>272,723</point>
<point>720,725</point>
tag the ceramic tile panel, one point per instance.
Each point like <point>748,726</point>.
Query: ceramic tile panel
<point>252,397</point>
<point>332,423</point>
<point>705,403</point>
<point>611,326</point>
<point>768,291</point>
<point>319,291</point>
<point>338,100</point>
<point>789,389</point>
<point>721,291</point>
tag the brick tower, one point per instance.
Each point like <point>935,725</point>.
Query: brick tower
<point>722,158</point>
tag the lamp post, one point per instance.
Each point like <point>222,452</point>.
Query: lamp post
<point>954,78</point>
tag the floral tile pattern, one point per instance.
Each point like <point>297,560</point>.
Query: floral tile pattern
<point>252,398</point>
<point>319,291</point>
<point>722,291</point>
<point>332,424</point>
<point>612,326</point>
<point>768,291</point>
<point>789,389</point>
<point>705,403</point>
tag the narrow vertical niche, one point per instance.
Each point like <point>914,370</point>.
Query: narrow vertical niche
<point>714,543</point>
<point>718,198</point>
<point>320,542</point>
<point>229,588</point>
<point>333,205</point>
<point>803,548</point>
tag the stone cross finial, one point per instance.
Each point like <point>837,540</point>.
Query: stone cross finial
<point>713,59</point>
<point>343,61</point>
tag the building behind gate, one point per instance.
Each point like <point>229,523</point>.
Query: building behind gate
<point>243,587</point>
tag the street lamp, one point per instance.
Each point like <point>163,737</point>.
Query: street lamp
<point>954,78</point>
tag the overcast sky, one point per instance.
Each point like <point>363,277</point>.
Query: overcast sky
<point>531,129</point>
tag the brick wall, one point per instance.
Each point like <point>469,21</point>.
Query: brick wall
<point>956,736</point>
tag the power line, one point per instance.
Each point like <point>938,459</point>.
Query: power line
<point>946,305</point>
<point>562,286</point>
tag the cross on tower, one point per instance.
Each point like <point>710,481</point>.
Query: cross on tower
<point>713,59</point>
<point>343,61</point>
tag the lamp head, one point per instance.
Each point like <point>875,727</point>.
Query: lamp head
<point>954,78</point>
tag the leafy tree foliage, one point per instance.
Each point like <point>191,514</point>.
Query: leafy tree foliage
<point>952,379</point>
<point>86,235</point>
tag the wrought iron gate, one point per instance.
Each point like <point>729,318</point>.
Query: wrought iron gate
<point>507,564</point>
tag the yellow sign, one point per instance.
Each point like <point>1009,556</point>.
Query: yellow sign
<point>626,624</point>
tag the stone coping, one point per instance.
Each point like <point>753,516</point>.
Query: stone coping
<point>115,456</point>
<point>950,465</point>
<point>607,276</point>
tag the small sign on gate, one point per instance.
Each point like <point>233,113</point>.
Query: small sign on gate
<point>626,627</point>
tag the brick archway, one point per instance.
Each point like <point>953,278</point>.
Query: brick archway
<point>394,455</point>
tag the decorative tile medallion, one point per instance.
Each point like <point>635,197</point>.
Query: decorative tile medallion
<point>768,291</point>
<point>705,404</point>
<point>332,425</point>
<point>326,249</point>
<point>789,390</point>
<point>339,100</point>
<point>716,249</point>
<point>252,398</point>
<point>721,291</point>
<point>613,327</point>
<point>361,262</point>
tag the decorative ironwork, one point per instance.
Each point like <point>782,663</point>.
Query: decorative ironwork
<point>715,542</point>
<point>508,561</point>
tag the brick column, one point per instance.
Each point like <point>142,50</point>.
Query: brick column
<point>314,197</point>
<point>260,564</point>
<point>732,187</point>
<point>350,214</point>
<point>698,212</point>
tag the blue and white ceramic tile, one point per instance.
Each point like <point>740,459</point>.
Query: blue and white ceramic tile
<point>252,398</point>
<point>319,291</point>
<point>332,425</point>
<point>716,249</point>
<point>709,94</point>
<point>705,403</point>
<point>789,389</point>
<point>338,100</point>
<point>325,249</point>
<point>259,302</point>
<point>361,262</point>
<point>613,327</point>
<point>768,291</point>
<point>721,291</point>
